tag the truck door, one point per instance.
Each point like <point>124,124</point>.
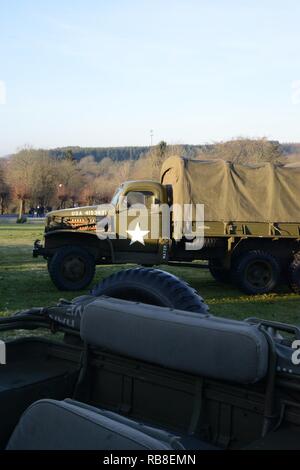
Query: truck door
<point>142,225</point>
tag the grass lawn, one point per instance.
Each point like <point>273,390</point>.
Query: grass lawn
<point>24,283</point>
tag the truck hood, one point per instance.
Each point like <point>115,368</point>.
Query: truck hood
<point>75,218</point>
<point>86,211</point>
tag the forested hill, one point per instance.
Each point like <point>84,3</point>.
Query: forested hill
<point>116,153</point>
<point>289,149</point>
<point>99,153</point>
<point>134,153</point>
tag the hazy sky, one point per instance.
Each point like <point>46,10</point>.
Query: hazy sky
<point>104,72</point>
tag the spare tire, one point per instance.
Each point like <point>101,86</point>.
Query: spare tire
<point>151,286</point>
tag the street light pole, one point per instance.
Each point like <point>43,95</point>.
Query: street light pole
<point>151,137</point>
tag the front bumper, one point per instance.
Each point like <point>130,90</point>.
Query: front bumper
<point>38,249</point>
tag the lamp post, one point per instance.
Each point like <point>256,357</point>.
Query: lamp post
<point>151,137</point>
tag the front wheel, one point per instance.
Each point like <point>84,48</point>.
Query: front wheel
<point>71,268</point>
<point>256,272</point>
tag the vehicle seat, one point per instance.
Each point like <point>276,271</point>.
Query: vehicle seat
<point>69,425</point>
<point>185,341</point>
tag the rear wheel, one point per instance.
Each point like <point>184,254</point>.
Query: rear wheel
<point>151,286</point>
<point>294,274</point>
<point>256,272</point>
<point>71,268</point>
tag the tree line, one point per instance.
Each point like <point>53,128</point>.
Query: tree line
<point>40,178</point>
<point>134,153</point>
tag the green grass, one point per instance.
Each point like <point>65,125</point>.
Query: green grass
<point>24,283</point>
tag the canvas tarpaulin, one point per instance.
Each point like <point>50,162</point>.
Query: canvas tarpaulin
<point>262,192</point>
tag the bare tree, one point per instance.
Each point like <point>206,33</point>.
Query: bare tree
<point>150,164</point>
<point>104,189</point>
<point>69,182</point>
<point>87,194</point>
<point>43,184</point>
<point>20,177</point>
<point>89,167</point>
<point>244,150</point>
<point>106,165</point>
<point>124,171</point>
<point>4,188</point>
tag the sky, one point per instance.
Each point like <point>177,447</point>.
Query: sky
<point>104,73</point>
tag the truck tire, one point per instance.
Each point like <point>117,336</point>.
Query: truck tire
<point>256,272</point>
<point>294,274</point>
<point>71,268</point>
<point>219,273</point>
<point>151,286</point>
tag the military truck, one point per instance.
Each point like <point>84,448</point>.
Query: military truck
<point>112,374</point>
<point>251,227</point>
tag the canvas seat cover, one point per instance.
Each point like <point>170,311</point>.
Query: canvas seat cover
<point>185,341</point>
<point>69,425</point>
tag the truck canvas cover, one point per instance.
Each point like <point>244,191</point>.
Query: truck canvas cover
<point>263,192</point>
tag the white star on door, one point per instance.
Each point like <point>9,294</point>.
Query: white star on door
<point>137,235</point>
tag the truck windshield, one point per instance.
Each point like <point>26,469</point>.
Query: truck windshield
<point>115,197</point>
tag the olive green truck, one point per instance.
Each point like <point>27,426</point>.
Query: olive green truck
<point>250,227</point>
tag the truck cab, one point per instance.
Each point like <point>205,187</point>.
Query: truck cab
<point>78,239</point>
